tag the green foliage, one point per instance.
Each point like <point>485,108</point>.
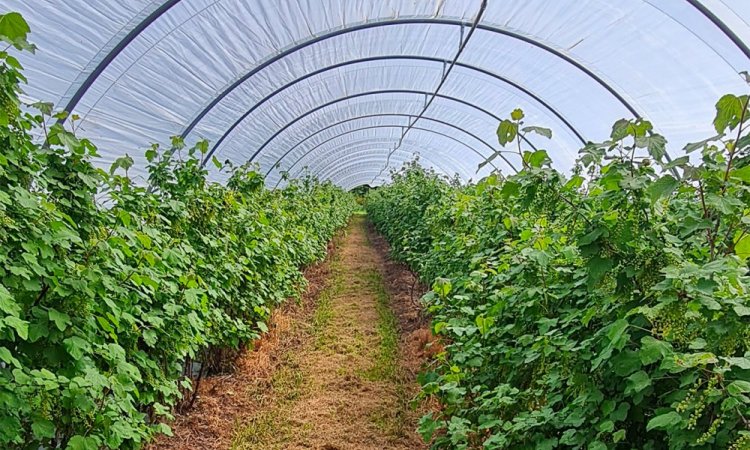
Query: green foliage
<point>605,309</point>
<point>109,290</point>
<point>512,131</point>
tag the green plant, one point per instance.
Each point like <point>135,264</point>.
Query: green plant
<point>111,291</point>
<point>608,308</point>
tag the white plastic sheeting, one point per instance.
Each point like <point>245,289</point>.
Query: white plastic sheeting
<point>279,81</point>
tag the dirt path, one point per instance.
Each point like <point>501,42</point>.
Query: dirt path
<point>338,370</point>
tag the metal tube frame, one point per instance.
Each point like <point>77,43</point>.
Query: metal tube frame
<point>373,127</point>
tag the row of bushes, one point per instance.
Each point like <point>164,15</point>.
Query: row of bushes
<point>109,290</point>
<point>606,308</point>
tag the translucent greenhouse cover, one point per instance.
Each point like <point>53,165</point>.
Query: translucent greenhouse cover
<point>331,85</point>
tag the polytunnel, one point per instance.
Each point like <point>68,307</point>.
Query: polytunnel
<point>350,89</point>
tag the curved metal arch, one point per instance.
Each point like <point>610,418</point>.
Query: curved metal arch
<point>374,143</point>
<point>728,32</point>
<point>406,21</point>
<point>382,127</point>
<point>366,154</point>
<point>392,58</point>
<point>357,167</point>
<point>168,4</point>
<point>377,92</point>
<point>442,122</point>
<point>485,143</point>
<point>365,146</point>
<point>353,166</point>
<point>116,50</point>
<point>370,115</point>
<point>334,150</point>
<point>364,177</point>
<point>360,158</point>
<point>331,168</point>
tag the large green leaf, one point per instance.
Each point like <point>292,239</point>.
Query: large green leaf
<point>728,112</point>
<point>43,428</point>
<point>14,30</point>
<point>664,421</point>
<point>638,382</point>
<point>662,187</point>
<point>742,173</point>
<point>7,304</point>
<point>546,132</point>
<point>742,246</point>
<point>537,158</point>
<point>20,326</point>
<point>739,387</point>
<point>82,443</point>
<point>506,132</point>
<point>61,319</point>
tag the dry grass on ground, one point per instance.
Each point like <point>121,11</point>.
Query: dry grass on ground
<point>336,372</point>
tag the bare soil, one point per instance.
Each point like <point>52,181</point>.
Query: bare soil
<point>337,370</point>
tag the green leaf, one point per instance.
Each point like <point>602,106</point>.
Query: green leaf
<point>742,173</point>
<point>664,421</point>
<point>7,304</point>
<point>150,154</point>
<point>124,217</point>
<point>698,343</point>
<point>738,387</point>
<point>61,319</point>
<point>9,429</point>
<point>13,26</point>
<point>697,359</point>
<point>484,324</point>
<point>653,350</point>
<point>536,159</point>
<point>82,443</point>
<point>598,267</point>
<point>14,30</point>
<point>144,239</point>
<point>607,426</point>
<point>488,160</point>
<point>38,330</point>
<point>741,310</point>
<point>742,245</point>
<point>76,347</point>
<point>662,187</point>
<point>657,146</point>
<point>43,107</point>
<point>689,148</point>
<point>742,363</point>
<point>626,363</point>
<point>638,382</point>
<point>546,132</point>
<point>150,337</point>
<point>43,428</point>
<point>21,326</point>
<point>123,162</point>
<point>728,112</point>
<point>428,426</point>
<point>620,130</point>
<point>677,162</point>
<point>506,132</point>
<point>616,331</point>
<point>7,357</point>
<point>575,182</point>
<point>442,287</point>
